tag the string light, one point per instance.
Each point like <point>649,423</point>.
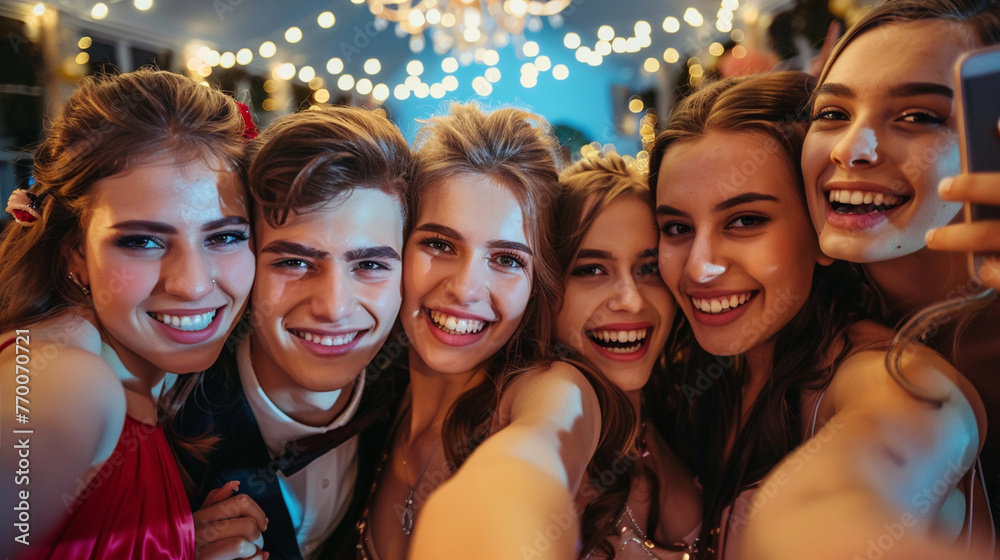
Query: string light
<point>473,33</point>
<point>461,27</point>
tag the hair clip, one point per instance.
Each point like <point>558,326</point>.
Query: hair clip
<point>24,206</point>
<point>249,129</point>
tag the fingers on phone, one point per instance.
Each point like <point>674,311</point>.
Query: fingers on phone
<point>980,237</point>
<point>983,188</point>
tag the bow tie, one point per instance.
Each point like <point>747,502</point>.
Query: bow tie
<point>301,452</point>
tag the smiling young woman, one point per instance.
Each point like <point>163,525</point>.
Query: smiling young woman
<point>495,434</point>
<point>617,313</point>
<point>137,263</point>
<point>739,254</point>
<point>883,136</point>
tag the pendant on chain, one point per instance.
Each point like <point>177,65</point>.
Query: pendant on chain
<point>408,514</point>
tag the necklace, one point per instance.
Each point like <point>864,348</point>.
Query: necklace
<point>408,517</point>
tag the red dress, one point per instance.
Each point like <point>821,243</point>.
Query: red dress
<point>133,508</point>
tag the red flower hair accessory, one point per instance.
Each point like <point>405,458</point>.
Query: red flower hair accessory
<point>24,206</point>
<point>249,129</point>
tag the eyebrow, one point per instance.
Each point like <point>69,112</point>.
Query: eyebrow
<point>745,198</point>
<point>606,255</point>
<point>167,229</point>
<point>908,89</point>
<point>384,252</point>
<point>454,234</point>
<point>593,254</point>
<point>441,230</point>
<point>297,249</point>
<point>511,246</point>
<point>648,253</point>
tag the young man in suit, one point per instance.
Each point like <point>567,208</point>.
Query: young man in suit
<point>298,406</point>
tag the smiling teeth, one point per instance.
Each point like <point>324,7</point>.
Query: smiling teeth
<point>326,340</point>
<point>618,336</point>
<point>454,325</point>
<point>857,198</point>
<point>186,322</point>
<point>721,305</point>
<point>615,341</point>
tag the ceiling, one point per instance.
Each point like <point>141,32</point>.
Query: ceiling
<point>591,98</point>
<point>228,25</point>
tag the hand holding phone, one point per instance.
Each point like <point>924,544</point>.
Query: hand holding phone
<point>977,79</point>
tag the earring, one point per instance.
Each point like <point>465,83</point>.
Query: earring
<point>84,289</point>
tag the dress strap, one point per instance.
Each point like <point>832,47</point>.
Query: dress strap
<point>976,478</point>
<point>6,343</point>
<point>815,414</point>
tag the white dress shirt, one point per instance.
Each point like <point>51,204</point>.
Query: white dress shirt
<point>318,496</point>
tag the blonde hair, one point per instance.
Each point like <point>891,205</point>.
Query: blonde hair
<point>515,149</point>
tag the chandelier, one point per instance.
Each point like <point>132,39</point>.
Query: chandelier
<point>462,26</point>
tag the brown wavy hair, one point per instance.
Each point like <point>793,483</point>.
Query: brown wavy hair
<point>109,124</point>
<point>587,188</point>
<point>775,106</point>
<point>307,159</point>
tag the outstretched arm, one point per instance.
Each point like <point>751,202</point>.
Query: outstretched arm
<point>883,471</point>
<point>513,497</point>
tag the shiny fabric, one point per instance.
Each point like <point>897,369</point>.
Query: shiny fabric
<point>133,508</point>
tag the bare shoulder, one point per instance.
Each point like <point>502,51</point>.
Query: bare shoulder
<point>924,368</point>
<point>555,375</point>
<point>73,393</point>
<point>65,330</point>
<point>863,382</point>
<point>71,405</point>
<point>558,382</point>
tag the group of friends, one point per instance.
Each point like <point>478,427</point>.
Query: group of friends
<point>315,343</point>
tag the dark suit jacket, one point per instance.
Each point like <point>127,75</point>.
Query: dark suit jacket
<point>219,407</point>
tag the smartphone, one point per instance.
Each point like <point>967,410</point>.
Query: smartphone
<point>977,81</point>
